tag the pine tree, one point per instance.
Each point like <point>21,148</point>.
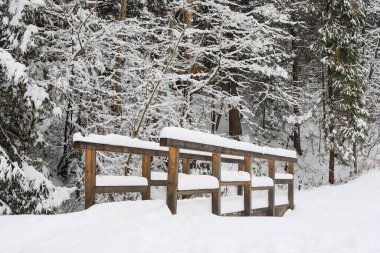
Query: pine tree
<point>24,106</point>
<point>339,48</point>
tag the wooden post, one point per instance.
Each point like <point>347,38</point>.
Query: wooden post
<point>240,168</point>
<point>291,187</point>
<point>271,192</point>
<point>146,163</point>
<point>247,187</point>
<point>171,193</point>
<point>90,177</point>
<point>216,166</point>
<point>186,166</point>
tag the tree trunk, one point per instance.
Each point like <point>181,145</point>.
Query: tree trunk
<point>215,120</point>
<point>331,128</point>
<point>356,159</point>
<point>235,129</point>
<point>186,114</point>
<point>123,10</point>
<point>67,134</point>
<point>331,167</point>
<point>117,108</point>
<point>296,108</point>
<point>324,97</point>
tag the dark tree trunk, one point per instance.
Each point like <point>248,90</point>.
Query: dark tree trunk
<point>324,97</point>
<point>68,129</point>
<point>296,108</point>
<point>215,121</point>
<point>235,129</point>
<point>331,167</point>
<point>356,159</point>
<point>63,162</point>
<point>117,107</point>
<point>331,128</point>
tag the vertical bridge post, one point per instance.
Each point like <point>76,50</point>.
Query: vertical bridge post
<point>291,187</point>
<point>247,187</point>
<point>146,164</point>
<point>216,167</point>
<point>171,193</point>
<point>90,177</point>
<point>271,192</point>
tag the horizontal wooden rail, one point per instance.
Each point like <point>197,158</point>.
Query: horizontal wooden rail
<point>262,188</point>
<point>235,183</point>
<point>143,151</point>
<point>200,191</point>
<point>121,189</point>
<point>283,181</point>
<point>168,142</point>
<point>158,182</point>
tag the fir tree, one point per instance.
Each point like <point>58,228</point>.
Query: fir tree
<point>339,48</point>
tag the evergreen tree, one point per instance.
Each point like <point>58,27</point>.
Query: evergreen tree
<point>24,106</point>
<point>339,48</point>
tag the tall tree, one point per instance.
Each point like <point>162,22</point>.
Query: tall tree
<point>339,48</point>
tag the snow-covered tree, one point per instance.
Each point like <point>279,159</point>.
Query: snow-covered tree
<point>372,63</point>
<point>23,189</point>
<point>339,48</point>
<point>25,104</point>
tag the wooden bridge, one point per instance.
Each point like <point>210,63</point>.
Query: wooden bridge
<point>186,145</point>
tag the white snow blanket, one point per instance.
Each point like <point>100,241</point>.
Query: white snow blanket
<point>196,182</point>
<point>212,139</point>
<point>262,181</point>
<point>118,140</point>
<point>234,176</point>
<point>189,182</point>
<point>342,218</point>
<point>120,181</point>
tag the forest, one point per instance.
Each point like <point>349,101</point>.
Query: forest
<point>294,74</point>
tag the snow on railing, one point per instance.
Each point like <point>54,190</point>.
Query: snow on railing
<point>206,140</point>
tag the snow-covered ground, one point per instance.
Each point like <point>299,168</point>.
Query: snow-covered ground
<point>344,218</point>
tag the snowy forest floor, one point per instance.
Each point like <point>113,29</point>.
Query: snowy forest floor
<point>343,218</point>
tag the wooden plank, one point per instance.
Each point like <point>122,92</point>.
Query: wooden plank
<point>247,187</point>
<point>158,182</point>
<point>185,166</point>
<point>262,188</point>
<point>283,181</point>
<point>121,189</point>
<point>271,192</point>
<point>171,193</point>
<point>230,160</point>
<point>90,178</point>
<point>144,151</point>
<point>291,187</point>
<point>221,150</point>
<point>146,164</point>
<point>240,168</point>
<point>235,183</point>
<point>216,167</point>
<point>201,191</point>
